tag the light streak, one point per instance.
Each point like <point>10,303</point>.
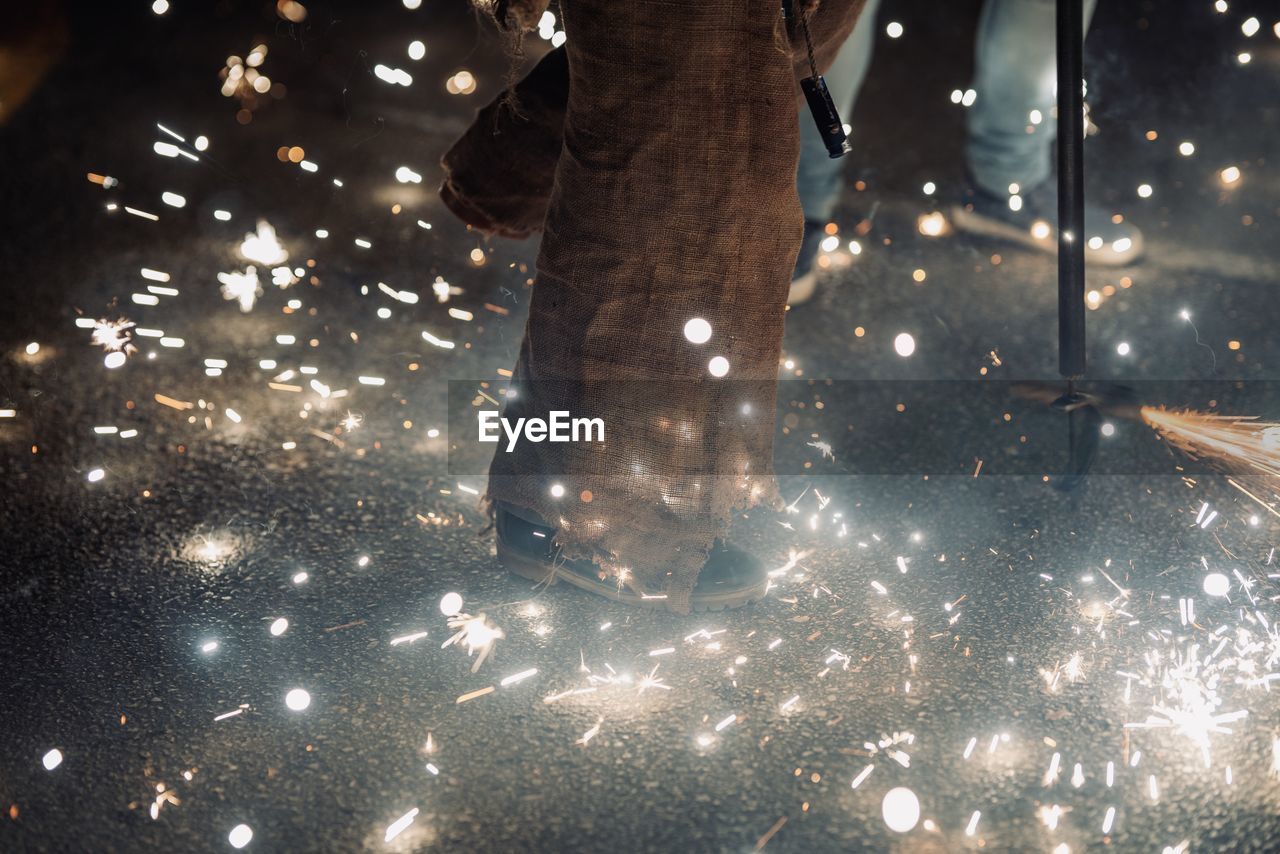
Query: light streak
<point>399,826</point>
<point>437,342</point>
<point>474,694</point>
<point>518,677</point>
<point>590,734</point>
<point>1241,442</point>
<point>863,775</point>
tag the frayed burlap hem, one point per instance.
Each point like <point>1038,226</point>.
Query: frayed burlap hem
<point>643,546</point>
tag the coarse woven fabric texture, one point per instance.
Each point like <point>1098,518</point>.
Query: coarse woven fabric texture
<point>656,152</point>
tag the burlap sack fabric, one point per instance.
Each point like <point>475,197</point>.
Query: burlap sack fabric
<point>656,151</point>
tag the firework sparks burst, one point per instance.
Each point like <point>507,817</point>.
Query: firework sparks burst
<point>114,336</point>
<point>263,247</point>
<point>476,634</point>
<point>1188,684</point>
<point>241,287</point>
<point>1240,442</point>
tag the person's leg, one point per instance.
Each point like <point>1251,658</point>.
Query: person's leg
<point>818,175</point>
<point>1011,134</point>
<point>499,174</point>
<point>1014,75</point>
<point>674,197</point>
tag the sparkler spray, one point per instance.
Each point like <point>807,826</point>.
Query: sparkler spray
<point>816,95</point>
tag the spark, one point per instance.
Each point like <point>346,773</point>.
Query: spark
<point>263,247</point>
<point>901,809</point>
<point>653,681</point>
<point>451,604</point>
<point>697,330</point>
<point>476,634</point>
<point>474,694</point>
<point>1234,442</point>
<point>395,76</point>
<point>590,734</point>
<point>793,560</point>
<point>1051,775</point>
<point>298,699</point>
<point>518,677</point>
<point>399,826</point>
<point>825,449</point>
<point>437,342</point>
<point>1186,685</point>
<point>240,835</point>
<point>241,287</point>
<point>114,336</point>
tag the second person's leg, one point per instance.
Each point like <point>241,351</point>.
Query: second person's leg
<point>1012,128</point>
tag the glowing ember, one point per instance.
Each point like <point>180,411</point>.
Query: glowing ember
<point>901,809</point>
<point>241,287</point>
<point>476,634</point>
<point>240,835</point>
<point>263,247</point>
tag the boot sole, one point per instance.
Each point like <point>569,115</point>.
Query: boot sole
<point>985,226</point>
<point>541,572</point>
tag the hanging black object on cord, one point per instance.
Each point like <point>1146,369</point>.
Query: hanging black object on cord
<point>815,91</point>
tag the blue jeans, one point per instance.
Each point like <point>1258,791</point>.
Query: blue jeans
<point>1014,75</point>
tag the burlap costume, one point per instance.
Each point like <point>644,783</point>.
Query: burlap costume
<point>656,151</point>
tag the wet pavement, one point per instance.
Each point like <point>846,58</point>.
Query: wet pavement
<point>189,537</point>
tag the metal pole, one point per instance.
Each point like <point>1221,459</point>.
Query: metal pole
<point>1071,236</point>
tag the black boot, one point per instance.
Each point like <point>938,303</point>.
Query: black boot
<point>729,578</point>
